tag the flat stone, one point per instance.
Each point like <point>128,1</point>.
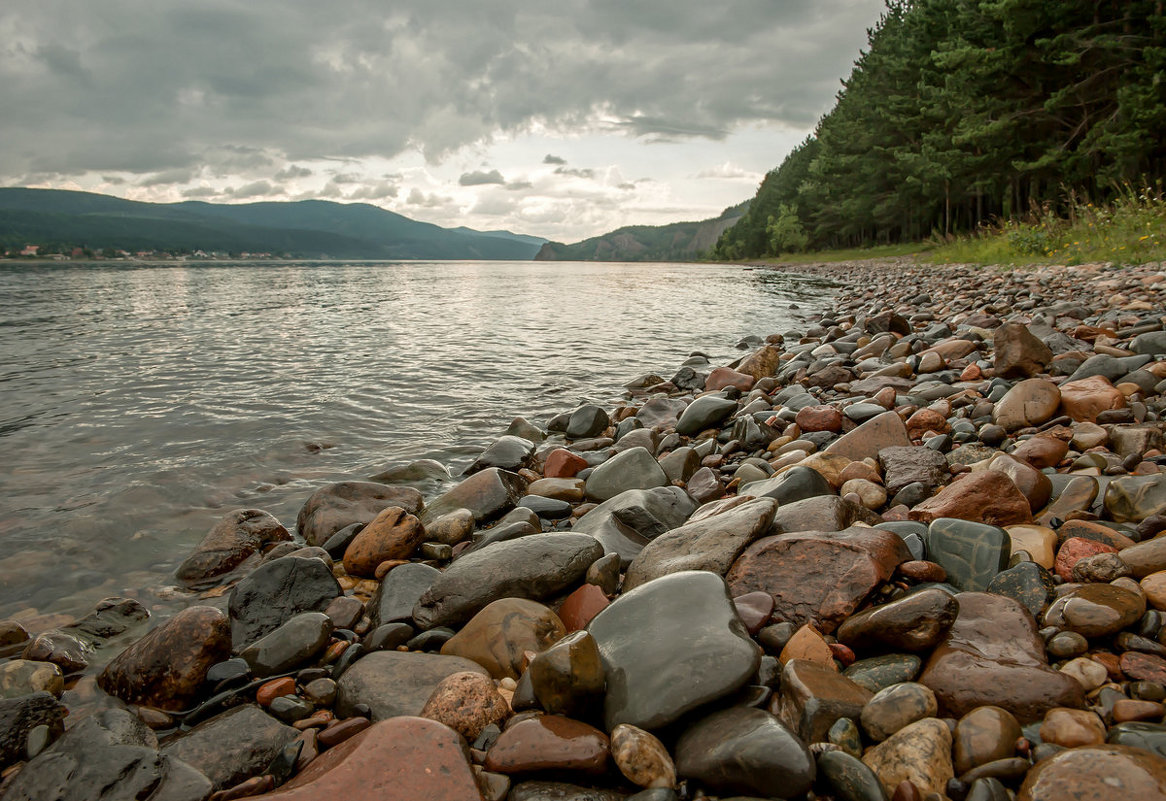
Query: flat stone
<point>289,646</point>
<point>1138,666</point>
<point>711,543</point>
<point>983,735</point>
<point>506,453</point>
<point>395,683</point>
<point>237,537</point>
<point>166,668</point>
<point>487,494</point>
<point>1077,495</point>
<point>704,413</point>
<point>670,646</point>
<point>1028,403</point>
<point>742,750</point>
<point>916,622</point>
<point>232,746</point>
<point>549,742</point>
<point>985,496</point>
<point>971,553</point>
<point>382,762</point>
<point>1097,773</point>
<point>534,567</point>
<point>1096,610</point>
<point>1086,398</point>
<point>886,430</point>
<point>275,592</point>
<point>399,592</point>
<point>910,465</point>
<point>498,636</point>
<point>919,753</point>
<point>1146,736</point>
<point>993,656</point>
<point>635,468</point>
<point>632,519</point>
<point>335,506</point>
<point>1132,499</point>
<point>467,703</point>
<point>818,577</point>
<point>814,697</point>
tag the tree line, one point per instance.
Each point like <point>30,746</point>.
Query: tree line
<point>961,112</point>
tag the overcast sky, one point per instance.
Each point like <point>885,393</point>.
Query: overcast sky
<point>559,118</point>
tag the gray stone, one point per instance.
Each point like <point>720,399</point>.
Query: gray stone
<point>635,468</point>
<point>233,746</point>
<point>587,421</point>
<point>507,453</point>
<point>399,591</point>
<point>289,646</point>
<point>795,484</point>
<point>908,465</point>
<point>821,513</point>
<point>335,506</point>
<point>488,494</point>
<point>703,413</point>
<point>886,430</point>
<point>394,683</point>
<point>971,553</point>
<point>632,519</point>
<point>272,594</point>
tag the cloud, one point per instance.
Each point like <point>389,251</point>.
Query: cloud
<point>481,178</point>
<point>378,191</point>
<point>587,174</point>
<point>728,171</point>
<point>428,201</point>
<point>199,192</point>
<point>549,159</point>
<point>179,175</point>
<point>293,171</point>
<point>518,186</point>
<point>253,189</point>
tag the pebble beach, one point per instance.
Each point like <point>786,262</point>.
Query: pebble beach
<point>912,549</point>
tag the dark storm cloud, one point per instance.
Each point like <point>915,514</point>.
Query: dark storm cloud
<point>149,87</point>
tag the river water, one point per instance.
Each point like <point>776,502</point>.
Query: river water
<point>139,403</point>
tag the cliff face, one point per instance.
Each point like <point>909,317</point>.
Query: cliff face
<point>683,241</point>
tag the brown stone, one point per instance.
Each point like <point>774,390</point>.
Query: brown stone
<point>984,496</point>
<point>1083,400</point>
<point>1038,542</point>
<point>581,605</point>
<point>1146,557</point>
<point>762,362</point>
<point>818,577</point>
<point>1138,666</point>
<point>1032,483</point>
<point>814,697</point>
<point>1028,403</point>
<point>1097,773</point>
<point>919,753</point>
<point>238,536</point>
<point>402,759</point>
<point>1154,586</point>
<point>1072,728</point>
<point>497,637</point>
<point>562,463</point>
<point>1017,353</point>
<point>641,757</point>
<point>926,420</point>
<point>337,731</point>
<point>549,742</point>
<point>722,377</point>
<point>335,506</point>
<point>166,668</point>
<point>1096,610</point>
<point>392,534</point>
<point>808,645</point>
<point>819,418</point>
<point>754,609</point>
<point>270,690</point>
<point>883,431</point>
<point>467,703</point>
<point>1092,530</point>
<point>984,735</point>
<point>1041,451</point>
<point>993,656</point>
<point>913,623</point>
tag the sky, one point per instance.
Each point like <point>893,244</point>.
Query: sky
<point>556,118</point>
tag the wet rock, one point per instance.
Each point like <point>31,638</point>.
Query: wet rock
<point>1097,772</point>
<point>335,506</point>
<point>392,534</point>
<point>1096,610</point>
<point>506,453</point>
<point>398,593</point>
<point>703,413</point>
<point>886,430</point>
<point>919,753</point>
<point>19,716</point>
<point>568,677</point>
<point>273,593</point>
<point>394,683</point>
<point>762,362</point>
<point>1072,728</point>
<point>660,412</point>
<point>795,484</point>
<point>971,553</point>
<point>722,377</point>
<point>745,751</point>
<point>549,742</point>
<point>581,606</point>
<point>237,537</point>
<point>984,735</point>
<point>562,463</point>
<point>1038,542</point>
<point>916,622</point>
<point>467,703</point>
<point>909,465</point>
<point>635,468</point>
<point>993,656</point>
<point>878,672</point>
<point>233,746</point>
<point>641,758</point>
<point>487,494</point>
<point>985,496</point>
<point>61,648</point>
<point>632,519</point>
<point>166,668</point>
<point>1041,451</point>
<point>534,567</point>
<point>1083,400</point>
<point>895,708</point>
<point>382,762</point>
<point>587,421</point>
<point>1132,499</point>
<point>23,676</point>
<point>848,778</point>
<point>670,646</point>
<point>497,637</point>
<point>1033,484</point>
<point>1027,583</point>
<point>289,646</point>
<point>1028,403</point>
<point>813,698</point>
<point>823,513</point>
<point>818,577</point>
<point>711,543</point>
<point>1018,354</point>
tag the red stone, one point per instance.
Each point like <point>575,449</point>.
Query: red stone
<point>1143,667</point>
<point>819,418</point>
<point>562,463</point>
<point>340,730</point>
<point>926,420</point>
<point>400,759</point>
<point>1073,551</point>
<point>985,496</point>
<point>754,609</point>
<point>582,605</point>
<point>918,570</point>
<point>550,742</point>
<point>842,653</point>
<point>723,377</point>
<point>273,689</point>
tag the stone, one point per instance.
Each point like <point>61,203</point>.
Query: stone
<point>1131,499</point>
<point>642,758</point>
<point>534,567</point>
<point>395,683</point>
<point>382,762</point>
<point>1039,542</point>
<point>983,735</point>
<point>635,468</point>
<point>275,592</point>
<point>1091,674</point>
<point>705,486</point>
<point>1096,610</point>
<point>1027,583</point>
<point>498,636</point>
<point>549,742</point>
<point>711,543</point>
<point>488,494</point>
<point>814,697</point>
<point>916,622</point>
<point>238,536</point>
<point>1149,737</point>
<point>886,430</point>
<point>704,413</point>
<point>818,577</point>
<point>722,377</point>
<point>819,418</point>
<point>895,708</point>
<point>1028,403</point>
<point>1143,667</point>
<point>506,453</point>
<point>822,513</point>
<point>993,656</point>
<point>23,676</point>
<point>581,606</point>
<point>587,421</point>
<point>1041,451</point>
<point>630,520</point>
<point>746,751</point>
<point>670,646</point>
<point>762,362</point>
<point>1097,773</point>
<point>1100,567</point>
<point>568,676</point>
<point>562,463</point>
<point>61,648</point>
<point>335,506</point>
<point>232,746</point>
<point>166,668</point>
<point>754,609</point>
<point>392,534</point>
<point>451,528</point>
<point>1017,353</point>
<point>660,412</point>
<point>1072,728</point>
<point>563,489</point>
<point>467,703</point>
<point>919,753</point>
<point>877,672</point>
<point>1077,494</point>
<point>399,592</point>
<point>1032,483</point>
<point>809,645</point>
<point>1083,400</point>
<point>909,465</point>
<point>848,778</point>
<point>971,553</point>
<point>20,716</point>
<point>292,644</point>
<point>985,496</point>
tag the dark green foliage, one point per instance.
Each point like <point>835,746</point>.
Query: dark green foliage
<point>961,112</point>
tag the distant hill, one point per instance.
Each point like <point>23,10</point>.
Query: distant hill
<point>682,241</point>
<point>304,229</point>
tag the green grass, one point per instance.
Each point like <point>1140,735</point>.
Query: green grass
<point>854,254</point>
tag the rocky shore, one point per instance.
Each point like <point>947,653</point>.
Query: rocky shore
<point>912,551</point>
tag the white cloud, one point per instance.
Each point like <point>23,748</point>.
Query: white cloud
<point>481,178</point>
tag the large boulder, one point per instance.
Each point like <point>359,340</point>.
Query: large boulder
<point>335,506</point>
<point>394,683</point>
<point>275,592</point>
<point>632,519</point>
<point>235,539</point>
<point>488,494</point>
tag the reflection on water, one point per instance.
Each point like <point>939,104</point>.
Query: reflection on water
<point>139,403</point>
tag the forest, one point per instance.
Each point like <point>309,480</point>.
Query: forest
<point>963,113</point>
